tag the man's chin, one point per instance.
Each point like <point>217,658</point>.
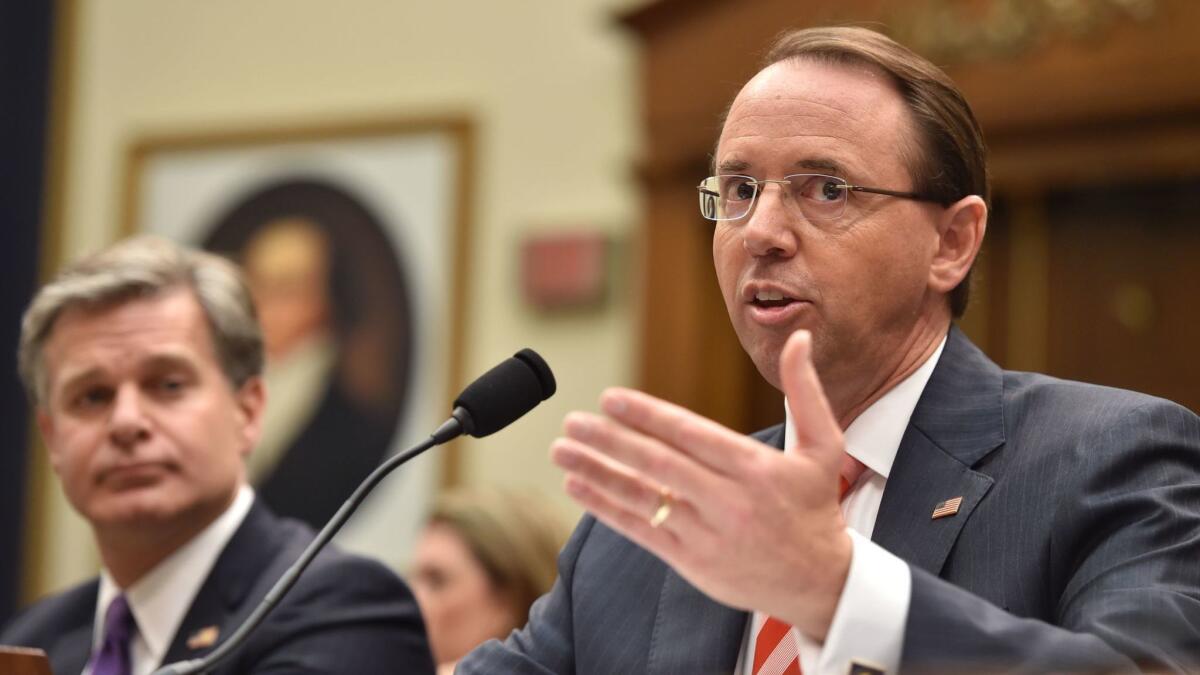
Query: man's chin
<point>766,360</point>
<point>765,347</point>
<point>134,510</point>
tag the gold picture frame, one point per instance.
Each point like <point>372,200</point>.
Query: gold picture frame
<point>409,181</point>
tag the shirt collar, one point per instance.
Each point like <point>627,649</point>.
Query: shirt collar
<point>873,438</point>
<point>161,598</point>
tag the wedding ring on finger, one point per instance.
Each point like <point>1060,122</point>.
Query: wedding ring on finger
<point>665,500</point>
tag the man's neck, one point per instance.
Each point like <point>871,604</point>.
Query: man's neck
<point>921,343</point>
<point>129,552</point>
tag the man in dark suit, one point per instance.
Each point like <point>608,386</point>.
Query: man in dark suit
<point>144,365</point>
<point>929,511</point>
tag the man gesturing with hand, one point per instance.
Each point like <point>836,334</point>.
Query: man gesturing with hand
<point>749,526</point>
<point>928,511</point>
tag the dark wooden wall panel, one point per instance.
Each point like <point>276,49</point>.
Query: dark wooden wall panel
<point>1068,104</point>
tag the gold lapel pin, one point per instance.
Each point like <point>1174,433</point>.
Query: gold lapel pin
<point>947,508</point>
<point>205,637</point>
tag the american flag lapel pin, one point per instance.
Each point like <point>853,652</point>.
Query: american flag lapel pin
<point>205,637</point>
<point>947,508</point>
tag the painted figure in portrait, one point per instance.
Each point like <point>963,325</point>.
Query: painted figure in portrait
<point>334,307</point>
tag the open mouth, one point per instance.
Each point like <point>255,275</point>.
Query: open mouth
<point>773,306</point>
<point>771,299</point>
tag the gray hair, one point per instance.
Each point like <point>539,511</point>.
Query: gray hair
<point>142,267</point>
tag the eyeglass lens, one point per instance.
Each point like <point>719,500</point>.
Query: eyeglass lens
<point>729,197</point>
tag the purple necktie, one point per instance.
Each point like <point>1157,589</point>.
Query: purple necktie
<point>113,657</point>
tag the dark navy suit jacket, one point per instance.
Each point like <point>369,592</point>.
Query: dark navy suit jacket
<point>1076,547</point>
<point>345,615</point>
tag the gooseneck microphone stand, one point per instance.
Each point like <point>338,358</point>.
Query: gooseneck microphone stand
<point>490,403</point>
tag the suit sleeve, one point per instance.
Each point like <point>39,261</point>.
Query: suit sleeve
<point>546,644</point>
<point>1126,546</point>
<point>350,616</point>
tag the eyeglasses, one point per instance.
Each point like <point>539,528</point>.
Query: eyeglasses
<point>819,197</point>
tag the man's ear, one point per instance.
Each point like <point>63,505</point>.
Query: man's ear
<point>960,234</point>
<point>251,400</point>
<point>45,425</point>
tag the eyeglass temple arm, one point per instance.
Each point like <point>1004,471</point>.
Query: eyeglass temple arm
<point>855,188</point>
<point>890,193</point>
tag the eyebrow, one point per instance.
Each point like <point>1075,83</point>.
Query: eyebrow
<point>74,380</point>
<point>154,364</point>
<point>169,361</point>
<point>732,166</point>
<point>821,164</point>
<point>816,163</point>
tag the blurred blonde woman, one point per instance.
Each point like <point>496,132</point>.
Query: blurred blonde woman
<point>483,558</point>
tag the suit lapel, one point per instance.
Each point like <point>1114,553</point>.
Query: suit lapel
<point>221,601</point>
<point>692,632</point>
<point>957,422</point>
<point>207,610</point>
<point>71,650</point>
<point>922,477</point>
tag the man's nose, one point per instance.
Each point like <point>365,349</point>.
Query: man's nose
<point>127,423</point>
<point>770,228</point>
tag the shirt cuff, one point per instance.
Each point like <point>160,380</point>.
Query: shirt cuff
<point>868,624</point>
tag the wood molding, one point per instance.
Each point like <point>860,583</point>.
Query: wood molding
<point>40,477</point>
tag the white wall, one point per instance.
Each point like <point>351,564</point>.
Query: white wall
<point>549,84</point>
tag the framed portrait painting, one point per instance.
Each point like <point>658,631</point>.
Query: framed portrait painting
<point>351,238</point>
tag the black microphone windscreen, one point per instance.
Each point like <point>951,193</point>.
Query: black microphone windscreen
<point>504,393</point>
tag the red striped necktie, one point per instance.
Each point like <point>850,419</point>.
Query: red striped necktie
<point>775,651</point>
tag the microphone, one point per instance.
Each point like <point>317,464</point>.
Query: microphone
<point>493,401</point>
<point>501,395</point>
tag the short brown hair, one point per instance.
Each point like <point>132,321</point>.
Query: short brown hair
<point>142,267</point>
<point>951,161</point>
<point>514,538</point>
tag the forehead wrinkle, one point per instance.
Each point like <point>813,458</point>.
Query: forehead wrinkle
<point>824,113</point>
<point>70,378</point>
<point>158,357</point>
<point>830,88</point>
<point>771,137</point>
<point>781,124</point>
<point>790,114</point>
<point>737,160</point>
<point>844,108</point>
<point>803,100</point>
<point>99,350</point>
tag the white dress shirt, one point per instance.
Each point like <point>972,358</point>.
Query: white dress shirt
<point>161,598</point>
<point>868,624</point>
